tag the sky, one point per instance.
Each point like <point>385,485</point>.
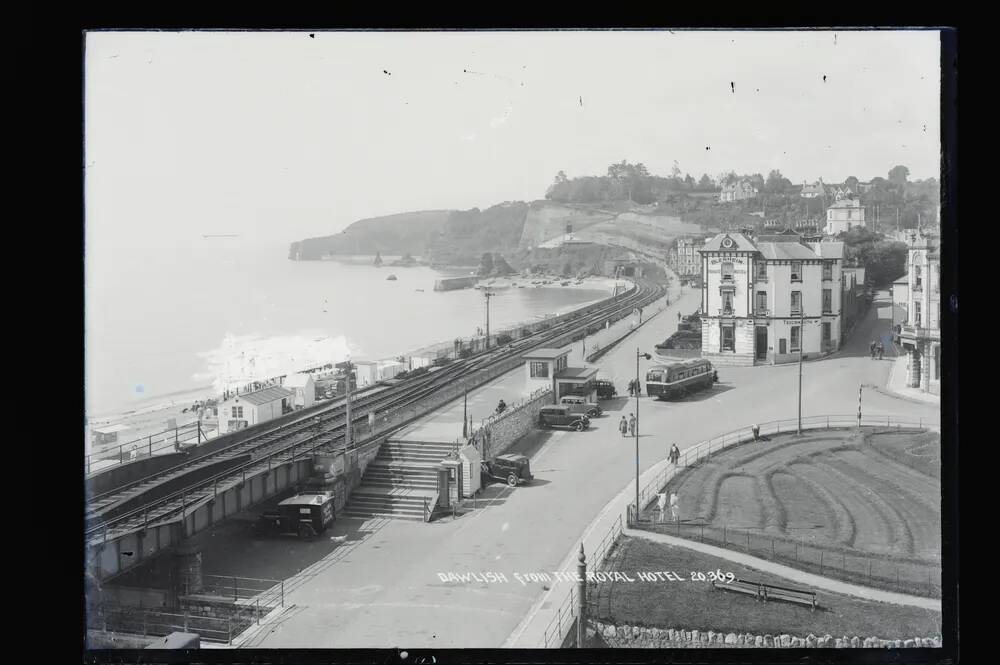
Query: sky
<point>282,135</point>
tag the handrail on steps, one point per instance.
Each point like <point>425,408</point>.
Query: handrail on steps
<point>429,505</point>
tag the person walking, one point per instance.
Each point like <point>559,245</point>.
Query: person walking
<point>678,317</point>
<point>675,508</point>
<point>872,347</point>
<point>675,454</point>
<point>661,504</point>
<point>631,388</point>
<point>755,428</point>
<point>623,426</point>
<point>134,451</point>
<point>631,424</point>
<point>881,349</point>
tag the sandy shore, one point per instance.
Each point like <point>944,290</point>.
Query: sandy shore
<point>151,417</point>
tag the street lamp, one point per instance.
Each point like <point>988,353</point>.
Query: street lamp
<point>638,354</point>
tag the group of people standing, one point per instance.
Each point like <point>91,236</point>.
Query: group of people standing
<point>877,349</point>
<point>634,387</point>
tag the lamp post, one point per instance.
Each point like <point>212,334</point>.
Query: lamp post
<point>638,354</point>
<point>802,339</point>
<point>465,415</point>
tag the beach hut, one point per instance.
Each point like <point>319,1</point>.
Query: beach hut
<point>249,409</point>
<point>304,389</point>
<point>109,435</point>
<point>366,372</point>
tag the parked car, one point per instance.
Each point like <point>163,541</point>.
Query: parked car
<point>605,389</point>
<point>562,416</point>
<point>580,405</point>
<point>512,469</point>
<point>305,515</point>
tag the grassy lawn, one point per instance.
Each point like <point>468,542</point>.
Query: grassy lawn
<point>692,605</point>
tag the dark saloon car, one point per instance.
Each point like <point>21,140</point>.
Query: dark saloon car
<point>512,469</point>
<point>562,416</point>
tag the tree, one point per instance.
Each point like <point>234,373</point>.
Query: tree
<point>852,183</point>
<point>675,172</point>
<point>486,264</point>
<point>705,184</point>
<point>561,178</point>
<point>898,174</point>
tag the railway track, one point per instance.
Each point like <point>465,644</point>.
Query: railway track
<point>323,427</point>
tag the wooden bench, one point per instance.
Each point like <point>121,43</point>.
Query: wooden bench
<point>767,592</point>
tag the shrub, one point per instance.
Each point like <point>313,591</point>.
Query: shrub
<point>503,339</point>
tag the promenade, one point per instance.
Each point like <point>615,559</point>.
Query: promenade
<point>381,587</point>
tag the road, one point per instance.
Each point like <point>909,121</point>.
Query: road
<point>382,588</point>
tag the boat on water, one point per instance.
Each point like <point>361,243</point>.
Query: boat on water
<point>419,290</point>
<point>391,278</point>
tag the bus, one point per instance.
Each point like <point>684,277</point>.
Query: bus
<point>679,378</point>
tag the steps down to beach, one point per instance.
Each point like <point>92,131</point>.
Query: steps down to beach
<point>398,481</point>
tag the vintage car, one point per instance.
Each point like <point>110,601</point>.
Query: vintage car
<point>512,469</point>
<point>580,405</point>
<point>562,416</point>
<point>305,515</point>
<point>605,389</point>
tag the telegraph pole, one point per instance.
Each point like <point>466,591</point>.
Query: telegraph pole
<point>465,415</point>
<point>347,410</point>
<point>488,294</point>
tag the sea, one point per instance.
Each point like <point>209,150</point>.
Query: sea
<point>168,325</point>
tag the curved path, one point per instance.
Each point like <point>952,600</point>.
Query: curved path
<point>793,574</point>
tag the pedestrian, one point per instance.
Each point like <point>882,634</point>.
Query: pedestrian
<point>638,388</point>
<point>661,505</point>
<point>631,424</point>
<point>631,387</point>
<point>134,452</point>
<point>881,349</point>
<point>675,454</point>
<point>675,508</point>
<point>872,348</point>
<point>678,317</point>
<point>623,426</point>
<point>756,432</point>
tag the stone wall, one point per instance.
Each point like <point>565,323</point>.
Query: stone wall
<point>670,638</point>
<point>500,432</point>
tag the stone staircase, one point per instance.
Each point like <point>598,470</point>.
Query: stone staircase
<point>399,479</point>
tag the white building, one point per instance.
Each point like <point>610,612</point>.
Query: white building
<point>845,213</point>
<point>249,409</point>
<point>766,298</point>
<point>303,390</point>
<point>920,335</point>
<point>366,372</point>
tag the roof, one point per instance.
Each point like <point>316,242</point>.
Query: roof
<point>512,457</point>
<point>110,429</point>
<point>365,362</point>
<point>265,395</point>
<point>306,500</point>
<point>740,243</point>
<point>830,250</point>
<point>846,203</point>
<point>546,354</point>
<point>902,280</point>
<point>785,250</point>
<point>297,381</point>
<point>581,373</point>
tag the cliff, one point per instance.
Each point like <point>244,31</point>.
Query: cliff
<point>394,235</point>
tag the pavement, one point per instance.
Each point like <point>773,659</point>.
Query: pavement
<point>388,584</point>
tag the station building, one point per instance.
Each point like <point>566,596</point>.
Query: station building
<point>764,298</point>
<point>548,368</point>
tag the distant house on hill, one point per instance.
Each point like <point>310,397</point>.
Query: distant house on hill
<point>814,190</point>
<point>738,191</point>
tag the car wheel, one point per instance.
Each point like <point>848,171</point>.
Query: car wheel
<point>579,427</point>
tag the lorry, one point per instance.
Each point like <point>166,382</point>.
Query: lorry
<point>305,515</point>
